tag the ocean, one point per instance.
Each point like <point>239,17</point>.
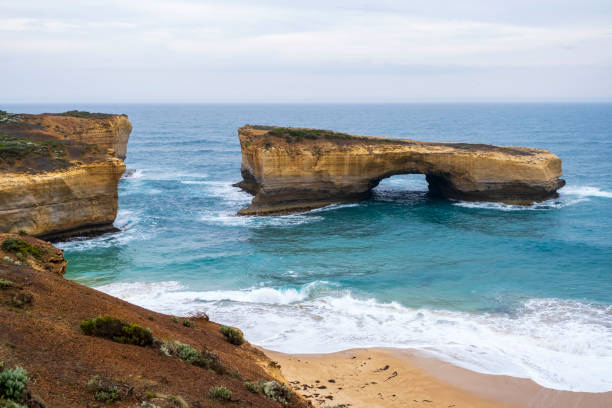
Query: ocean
<point>495,288</point>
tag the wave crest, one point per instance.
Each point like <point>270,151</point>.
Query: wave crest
<point>559,344</point>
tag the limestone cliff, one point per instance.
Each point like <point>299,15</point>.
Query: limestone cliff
<point>291,169</point>
<point>59,172</point>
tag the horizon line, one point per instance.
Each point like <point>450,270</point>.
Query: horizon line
<point>432,102</point>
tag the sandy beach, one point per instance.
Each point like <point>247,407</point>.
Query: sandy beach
<point>395,378</point>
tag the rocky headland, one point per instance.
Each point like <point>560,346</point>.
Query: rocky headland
<point>292,169</point>
<point>59,172</point>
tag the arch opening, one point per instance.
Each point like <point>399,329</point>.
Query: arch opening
<point>409,187</point>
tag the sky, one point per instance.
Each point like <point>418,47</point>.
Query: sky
<point>348,51</point>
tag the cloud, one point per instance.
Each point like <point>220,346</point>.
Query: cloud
<point>326,38</point>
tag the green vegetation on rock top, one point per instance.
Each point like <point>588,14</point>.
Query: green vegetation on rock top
<point>14,147</point>
<point>21,248</point>
<point>9,118</point>
<point>297,135</point>
<point>86,115</point>
<point>292,135</point>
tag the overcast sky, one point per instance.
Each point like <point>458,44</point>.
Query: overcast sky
<point>305,51</point>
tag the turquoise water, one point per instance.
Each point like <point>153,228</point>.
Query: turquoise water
<point>494,288</point>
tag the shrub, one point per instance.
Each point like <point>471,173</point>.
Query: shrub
<point>103,390</point>
<point>189,323</point>
<point>220,393</point>
<point>277,392</point>
<point>114,329</point>
<point>20,247</point>
<point>5,284</point>
<point>190,355</point>
<point>232,335</point>
<point>13,384</point>
<point>271,389</point>
<point>253,387</point>
<point>10,404</point>
<point>175,320</point>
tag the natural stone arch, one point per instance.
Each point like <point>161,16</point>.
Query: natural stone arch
<point>292,170</point>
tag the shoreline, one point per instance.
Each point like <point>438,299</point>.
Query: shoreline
<point>397,378</point>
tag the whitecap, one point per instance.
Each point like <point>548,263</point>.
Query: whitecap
<point>558,343</point>
<point>126,221</point>
<point>544,205</point>
<point>231,219</point>
<point>333,207</point>
<point>585,191</point>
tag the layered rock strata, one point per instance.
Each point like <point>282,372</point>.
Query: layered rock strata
<point>59,173</point>
<point>290,169</point>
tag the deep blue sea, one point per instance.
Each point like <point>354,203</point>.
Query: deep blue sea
<point>523,291</point>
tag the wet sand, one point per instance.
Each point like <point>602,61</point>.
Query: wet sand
<point>397,378</point>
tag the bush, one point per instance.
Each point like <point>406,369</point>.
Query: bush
<point>13,384</point>
<point>253,387</point>
<point>10,404</point>
<point>20,247</point>
<point>103,390</point>
<point>188,354</point>
<point>189,323</point>
<point>232,335</point>
<point>203,359</point>
<point>271,389</point>
<point>5,284</point>
<point>220,393</point>
<point>114,329</point>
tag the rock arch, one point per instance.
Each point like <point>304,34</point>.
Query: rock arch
<point>292,169</point>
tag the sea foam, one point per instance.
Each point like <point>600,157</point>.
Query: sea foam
<point>559,344</point>
<point>585,191</point>
<point>568,195</point>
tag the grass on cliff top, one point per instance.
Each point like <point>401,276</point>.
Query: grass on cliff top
<point>21,248</point>
<point>298,135</point>
<point>292,135</point>
<point>86,115</point>
<point>16,148</point>
<point>9,118</point>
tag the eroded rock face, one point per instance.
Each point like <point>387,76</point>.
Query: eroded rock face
<point>292,170</point>
<point>59,173</point>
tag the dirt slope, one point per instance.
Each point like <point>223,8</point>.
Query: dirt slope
<point>40,314</point>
